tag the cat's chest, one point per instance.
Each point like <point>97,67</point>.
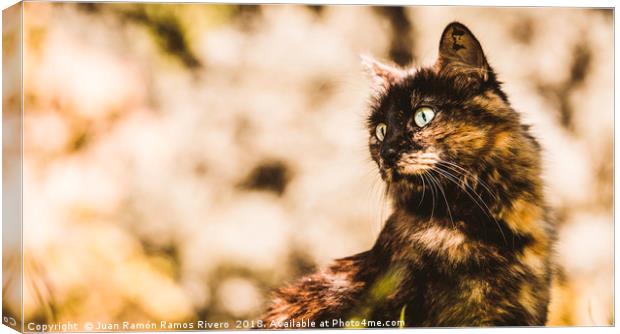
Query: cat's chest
<point>435,242</point>
<point>448,244</point>
<point>449,300</point>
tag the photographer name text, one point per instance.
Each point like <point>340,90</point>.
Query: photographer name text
<point>101,326</point>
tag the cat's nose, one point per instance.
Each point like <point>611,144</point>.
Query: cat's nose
<point>389,155</point>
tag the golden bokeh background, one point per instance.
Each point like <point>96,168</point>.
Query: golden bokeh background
<point>181,161</point>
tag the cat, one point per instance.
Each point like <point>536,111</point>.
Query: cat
<point>469,242</point>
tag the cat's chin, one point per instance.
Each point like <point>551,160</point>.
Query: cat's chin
<point>410,174</point>
<point>408,182</point>
<point>405,189</point>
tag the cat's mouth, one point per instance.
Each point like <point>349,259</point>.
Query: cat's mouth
<point>416,163</point>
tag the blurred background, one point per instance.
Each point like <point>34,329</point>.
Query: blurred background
<point>181,161</point>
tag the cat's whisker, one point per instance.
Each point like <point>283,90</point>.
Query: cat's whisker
<point>432,195</point>
<point>423,188</point>
<point>465,173</point>
<point>384,196</point>
<point>445,200</point>
<point>433,182</point>
<point>466,188</point>
<point>486,210</point>
<point>478,180</point>
<point>376,195</point>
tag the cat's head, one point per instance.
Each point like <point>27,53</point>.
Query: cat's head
<point>447,117</point>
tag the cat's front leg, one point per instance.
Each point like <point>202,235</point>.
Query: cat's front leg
<point>327,295</point>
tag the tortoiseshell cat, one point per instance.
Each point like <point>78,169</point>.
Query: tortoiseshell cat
<point>469,241</point>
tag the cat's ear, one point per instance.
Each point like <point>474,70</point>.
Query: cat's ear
<point>383,75</point>
<point>460,50</point>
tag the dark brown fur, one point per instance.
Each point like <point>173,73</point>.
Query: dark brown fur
<point>469,241</point>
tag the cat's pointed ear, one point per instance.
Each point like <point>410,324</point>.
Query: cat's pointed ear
<point>383,75</point>
<point>459,49</point>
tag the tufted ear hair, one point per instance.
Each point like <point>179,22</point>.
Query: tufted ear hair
<point>383,75</point>
<point>459,50</point>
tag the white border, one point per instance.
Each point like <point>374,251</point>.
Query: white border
<point>494,3</point>
<point>524,3</point>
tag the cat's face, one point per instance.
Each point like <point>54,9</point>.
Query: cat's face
<point>438,120</point>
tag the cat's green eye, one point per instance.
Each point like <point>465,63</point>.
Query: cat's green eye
<point>380,131</point>
<point>423,116</point>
